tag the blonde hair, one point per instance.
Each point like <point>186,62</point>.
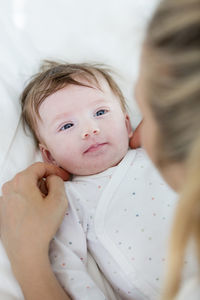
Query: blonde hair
<point>54,76</point>
<point>172,82</point>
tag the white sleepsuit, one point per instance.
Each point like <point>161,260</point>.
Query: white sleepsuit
<point>123,217</point>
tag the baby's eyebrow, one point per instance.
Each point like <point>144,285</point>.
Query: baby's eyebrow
<point>100,101</point>
<point>66,115</point>
<point>60,116</point>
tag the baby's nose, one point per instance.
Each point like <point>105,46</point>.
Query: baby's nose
<point>89,133</point>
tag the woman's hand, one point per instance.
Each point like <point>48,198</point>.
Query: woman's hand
<point>135,141</point>
<point>28,218</point>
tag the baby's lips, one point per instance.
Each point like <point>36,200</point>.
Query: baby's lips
<point>94,146</point>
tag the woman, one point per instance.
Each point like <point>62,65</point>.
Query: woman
<point>169,98</point>
<point>168,95</point>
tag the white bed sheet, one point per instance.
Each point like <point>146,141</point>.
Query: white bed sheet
<point>107,31</point>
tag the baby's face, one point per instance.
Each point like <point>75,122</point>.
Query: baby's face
<point>83,129</point>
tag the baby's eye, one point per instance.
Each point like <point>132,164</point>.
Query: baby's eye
<point>101,112</point>
<point>66,126</point>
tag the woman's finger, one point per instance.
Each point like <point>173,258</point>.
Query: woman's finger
<point>40,170</point>
<point>56,189</point>
<point>135,141</point>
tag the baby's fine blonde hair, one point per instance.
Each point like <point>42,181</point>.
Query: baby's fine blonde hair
<point>54,76</point>
<point>172,88</point>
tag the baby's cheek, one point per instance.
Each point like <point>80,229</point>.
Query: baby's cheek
<point>71,162</point>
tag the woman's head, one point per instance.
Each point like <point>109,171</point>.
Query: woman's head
<point>170,78</point>
<point>169,96</point>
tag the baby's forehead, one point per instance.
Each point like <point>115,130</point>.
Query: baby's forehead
<point>98,81</point>
<point>99,89</point>
<point>91,87</point>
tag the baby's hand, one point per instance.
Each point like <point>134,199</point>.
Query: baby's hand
<point>135,141</point>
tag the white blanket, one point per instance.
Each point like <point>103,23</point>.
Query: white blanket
<point>107,31</point>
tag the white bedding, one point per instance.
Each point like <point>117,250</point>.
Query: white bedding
<point>107,31</point>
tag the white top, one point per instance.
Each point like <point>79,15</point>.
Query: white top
<point>123,217</point>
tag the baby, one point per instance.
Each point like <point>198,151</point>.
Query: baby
<point>119,207</point>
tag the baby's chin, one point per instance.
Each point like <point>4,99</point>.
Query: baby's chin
<point>89,170</point>
<point>97,164</point>
<point>96,169</point>
<point>92,171</point>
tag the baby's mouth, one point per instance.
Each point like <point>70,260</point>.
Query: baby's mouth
<point>94,147</point>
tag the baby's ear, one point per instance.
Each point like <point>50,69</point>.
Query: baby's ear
<point>128,126</point>
<point>46,155</point>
